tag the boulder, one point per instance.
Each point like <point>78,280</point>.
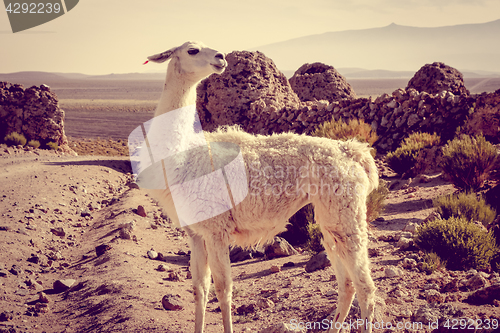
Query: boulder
<point>317,81</point>
<point>438,77</point>
<point>33,112</point>
<point>279,248</point>
<point>250,89</point>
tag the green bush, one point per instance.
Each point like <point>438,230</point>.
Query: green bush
<point>375,202</point>
<point>431,263</point>
<point>340,130</point>
<point>33,143</point>
<point>52,145</point>
<point>466,205</point>
<point>15,139</point>
<point>458,242</point>
<point>467,161</point>
<point>314,245</point>
<point>404,158</point>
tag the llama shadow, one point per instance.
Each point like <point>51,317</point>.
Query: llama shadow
<point>119,165</point>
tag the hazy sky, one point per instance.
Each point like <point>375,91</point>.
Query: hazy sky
<point>116,36</point>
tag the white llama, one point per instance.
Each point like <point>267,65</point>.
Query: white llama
<point>284,172</point>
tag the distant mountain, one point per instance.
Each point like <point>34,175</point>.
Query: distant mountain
<point>57,77</point>
<point>394,47</point>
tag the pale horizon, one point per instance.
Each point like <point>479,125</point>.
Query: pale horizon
<point>104,37</point>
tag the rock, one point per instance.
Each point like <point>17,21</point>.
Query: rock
<point>391,272</point>
<point>433,296</point>
<point>331,293</point>
<point>275,269</point>
<point>161,268</point>
<point>58,231</point>
<point>288,264</point>
<point>101,249</point>
<point>141,211</point>
<point>317,81</point>
<point>6,316</point>
<point>15,270</point>
<point>34,259</point>
<point>283,328</point>
<point>172,302</point>
<point>431,286</point>
<point>85,213</point>
<point>426,314</point>
<point>42,297</point>
<point>125,233</point>
<point>318,261</point>
<point>251,88</point>
<point>404,243</point>
<point>477,281</point>
<point>264,303</point>
<point>63,285</point>
<point>438,77</point>
<point>174,276</point>
<point>4,228</point>
<point>373,252</point>
<point>451,286</point>
<point>409,263</point>
<point>238,254</point>
<point>3,272</point>
<point>246,309</point>
<point>152,254</point>
<point>279,248</point>
<point>411,227</point>
<point>485,295</point>
<point>34,112</point>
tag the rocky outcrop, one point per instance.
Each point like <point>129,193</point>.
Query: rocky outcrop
<point>250,89</point>
<point>255,95</point>
<point>33,112</point>
<point>317,81</point>
<point>438,77</point>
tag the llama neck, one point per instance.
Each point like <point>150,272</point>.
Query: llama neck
<point>178,91</point>
<point>176,115</point>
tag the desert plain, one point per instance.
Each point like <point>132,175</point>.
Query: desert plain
<point>56,209</point>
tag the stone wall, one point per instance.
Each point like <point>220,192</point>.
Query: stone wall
<point>34,112</point>
<point>261,110</point>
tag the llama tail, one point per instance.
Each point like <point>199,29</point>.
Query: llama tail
<point>361,153</point>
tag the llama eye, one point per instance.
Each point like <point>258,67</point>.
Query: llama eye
<point>193,51</point>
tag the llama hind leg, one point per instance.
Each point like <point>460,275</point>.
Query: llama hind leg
<point>353,274</point>
<point>346,291</point>
<point>218,259</point>
<point>200,272</point>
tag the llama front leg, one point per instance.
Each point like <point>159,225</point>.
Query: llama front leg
<point>200,272</point>
<point>218,259</point>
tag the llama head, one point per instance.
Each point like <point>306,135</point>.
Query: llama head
<point>192,59</point>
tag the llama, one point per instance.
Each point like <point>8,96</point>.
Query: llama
<point>284,172</point>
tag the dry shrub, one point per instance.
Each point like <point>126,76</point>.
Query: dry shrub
<point>411,157</point>
<point>459,242</point>
<point>52,145</point>
<point>15,139</point>
<point>484,121</point>
<point>375,204</point>
<point>466,205</point>
<point>467,161</point>
<point>33,143</point>
<point>314,244</point>
<point>340,130</point>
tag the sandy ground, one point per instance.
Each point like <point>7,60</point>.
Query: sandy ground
<point>121,290</point>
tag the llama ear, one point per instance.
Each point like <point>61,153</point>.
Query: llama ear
<point>162,57</point>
